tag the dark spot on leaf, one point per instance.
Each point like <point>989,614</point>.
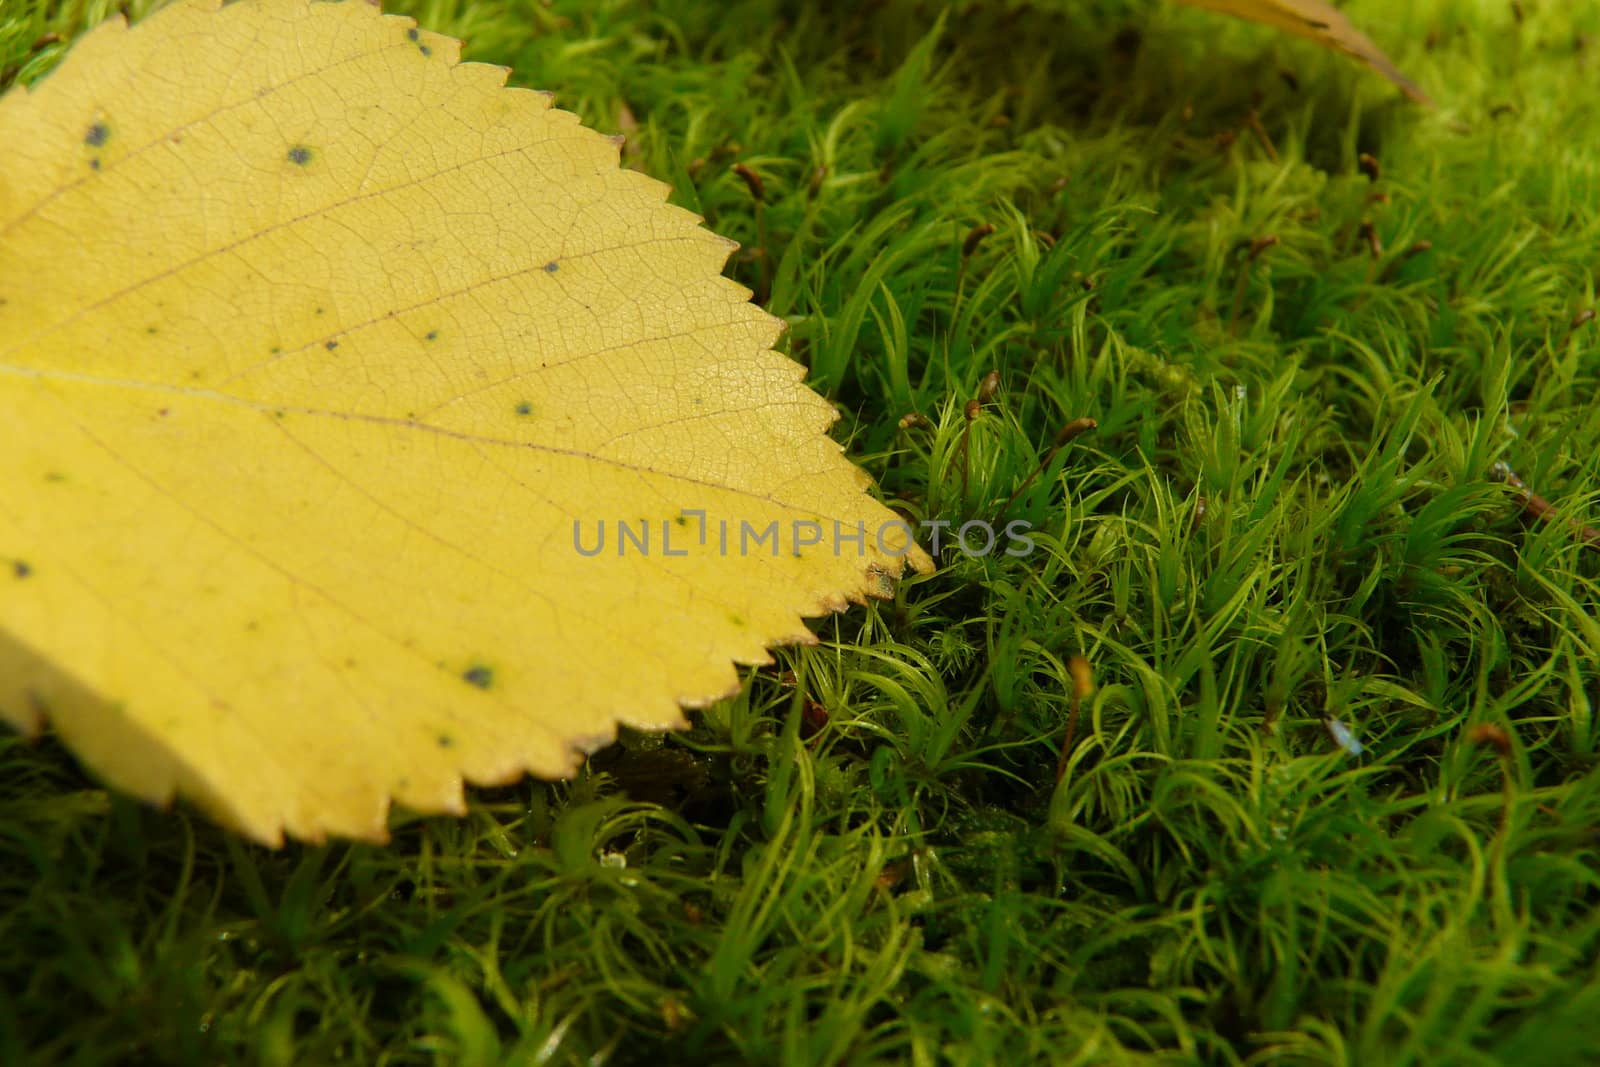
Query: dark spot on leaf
<point>412,33</point>
<point>96,135</point>
<point>331,345</point>
<point>551,267</point>
<point>276,349</point>
<point>446,741</point>
<point>151,330</point>
<point>681,520</point>
<point>524,408</point>
<point>480,676</point>
<point>424,49</point>
<point>163,412</point>
<point>54,477</point>
<point>432,335</point>
<point>299,155</point>
<point>20,568</point>
<point>94,164</point>
<point>321,310</point>
<point>737,620</point>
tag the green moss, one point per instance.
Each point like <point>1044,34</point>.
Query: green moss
<point>1285,514</point>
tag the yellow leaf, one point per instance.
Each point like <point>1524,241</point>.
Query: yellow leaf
<point>1321,22</point>
<point>323,358</point>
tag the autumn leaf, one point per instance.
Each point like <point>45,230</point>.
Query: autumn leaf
<point>1321,22</point>
<point>325,360</point>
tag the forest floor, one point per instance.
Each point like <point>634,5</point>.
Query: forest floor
<point>1329,680</point>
